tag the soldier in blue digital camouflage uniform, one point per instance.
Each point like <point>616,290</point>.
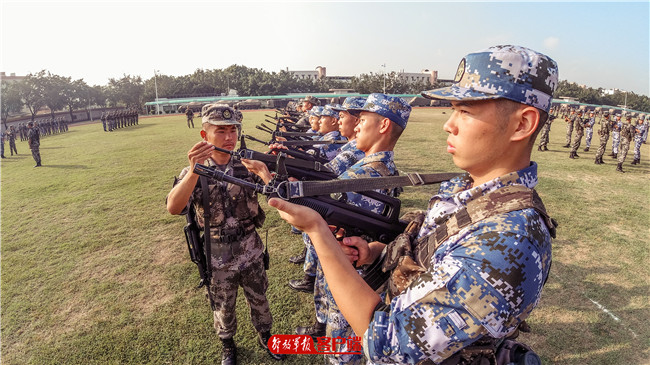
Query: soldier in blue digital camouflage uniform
<point>475,268</point>
<point>589,130</point>
<point>307,104</point>
<point>616,135</point>
<point>639,131</point>
<point>237,250</point>
<point>646,123</point>
<point>329,129</point>
<point>349,154</point>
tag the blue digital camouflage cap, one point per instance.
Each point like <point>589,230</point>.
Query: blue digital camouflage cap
<point>329,112</point>
<point>316,111</point>
<point>391,107</point>
<point>351,102</point>
<point>511,72</point>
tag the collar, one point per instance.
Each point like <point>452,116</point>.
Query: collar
<point>459,187</point>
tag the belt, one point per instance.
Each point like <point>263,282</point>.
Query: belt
<point>228,235</point>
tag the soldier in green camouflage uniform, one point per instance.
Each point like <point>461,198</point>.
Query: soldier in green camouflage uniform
<point>579,127</point>
<point>569,127</point>
<point>544,133</point>
<point>34,141</point>
<point>236,248</point>
<point>627,133</point>
<point>606,126</point>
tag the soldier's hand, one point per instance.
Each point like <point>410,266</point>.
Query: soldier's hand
<point>199,153</point>
<point>259,168</point>
<point>299,216</point>
<point>357,250</point>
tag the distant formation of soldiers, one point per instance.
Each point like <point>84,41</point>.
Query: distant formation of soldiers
<point>47,126</point>
<point>624,134</point>
<point>119,119</point>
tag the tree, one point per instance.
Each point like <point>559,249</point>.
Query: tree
<point>31,92</point>
<point>53,85</point>
<point>128,90</point>
<point>11,102</point>
<point>76,95</point>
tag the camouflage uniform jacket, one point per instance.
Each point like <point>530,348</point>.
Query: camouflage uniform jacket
<point>370,166</point>
<point>606,126</point>
<point>348,156</point>
<point>627,131</point>
<point>34,137</point>
<point>232,208</point>
<point>330,151</point>
<point>483,281</point>
<point>590,122</point>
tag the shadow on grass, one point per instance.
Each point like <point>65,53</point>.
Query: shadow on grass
<point>133,127</point>
<point>51,148</point>
<point>76,167</point>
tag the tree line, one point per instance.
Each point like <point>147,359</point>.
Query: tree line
<point>44,89</point>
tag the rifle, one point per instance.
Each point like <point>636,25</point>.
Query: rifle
<point>293,153</point>
<point>195,245</point>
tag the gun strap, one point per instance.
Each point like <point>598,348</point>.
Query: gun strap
<point>295,162</point>
<point>205,191</point>
<point>297,189</point>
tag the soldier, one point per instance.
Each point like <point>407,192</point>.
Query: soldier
<point>103,119</point>
<point>477,283</point>
<point>569,127</point>
<point>237,250</point>
<point>238,114</point>
<point>579,127</point>
<point>606,126</point>
<point>307,103</point>
<point>544,134</point>
<point>589,130</point>
<point>34,142</point>
<point>329,129</point>
<point>190,117</point>
<point>646,127</point>
<point>627,133</point>
<point>638,139</point>
<point>11,134</point>
<point>616,136</point>
<point>2,139</point>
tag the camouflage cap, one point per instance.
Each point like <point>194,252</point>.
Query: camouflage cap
<point>511,72</point>
<point>391,107</point>
<point>219,114</point>
<point>311,99</point>
<point>316,111</point>
<point>351,102</point>
<point>328,111</point>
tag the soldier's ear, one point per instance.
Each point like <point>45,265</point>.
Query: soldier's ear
<point>203,134</point>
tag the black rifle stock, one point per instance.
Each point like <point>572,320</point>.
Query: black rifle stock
<point>195,245</point>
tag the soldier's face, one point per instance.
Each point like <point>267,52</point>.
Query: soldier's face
<point>314,121</point>
<point>306,105</point>
<point>327,124</point>
<point>478,135</point>
<point>368,130</point>
<point>222,136</point>
<point>347,123</point>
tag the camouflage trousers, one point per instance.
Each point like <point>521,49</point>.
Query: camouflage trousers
<point>223,291</point>
<point>589,133</point>
<point>336,325</point>
<point>543,135</point>
<point>36,154</point>
<point>190,120</point>
<point>616,140</point>
<point>603,144</point>
<point>12,147</point>
<point>645,134</point>
<point>625,145</point>
<point>577,141</point>
<point>311,258</point>
<point>638,140</point>
<point>569,130</point>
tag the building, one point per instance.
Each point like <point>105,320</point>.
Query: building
<point>422,76</point>
<point>409,77</point>
<point>11,78</point>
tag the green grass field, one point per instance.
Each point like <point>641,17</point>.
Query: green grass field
<point>94,269</point>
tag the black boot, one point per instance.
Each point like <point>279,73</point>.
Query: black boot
<point>299,259</point>
<point>615,155</point>
<point>619,167</point>
<point>566,146</point>
<point>575,154</point>
<point>539,148</point>
<point>572,155</point>
<point>306,284</point>
<point>601,160</point>
<point>545,148</point>
<point>263,340</point>
<point>597,162</point>
<point>229,352</point>
<point>315,330</point>
<point>586,149</point>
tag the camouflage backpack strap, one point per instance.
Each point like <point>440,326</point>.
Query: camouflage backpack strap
<point>500,201</point>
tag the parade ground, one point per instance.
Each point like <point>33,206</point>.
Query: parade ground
<point>95,270</point>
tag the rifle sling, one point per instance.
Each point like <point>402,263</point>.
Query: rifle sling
<point>295,162</point>
<point>205,190</point>
<point>298,189</point>
<point>310,143</point>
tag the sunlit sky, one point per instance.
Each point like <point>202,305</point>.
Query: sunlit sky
<point>600,44</point>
